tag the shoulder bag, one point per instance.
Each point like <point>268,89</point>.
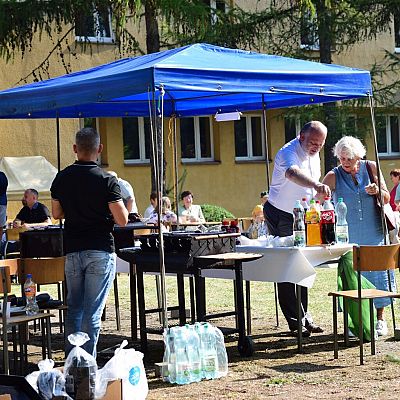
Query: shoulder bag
<point>387,209</point>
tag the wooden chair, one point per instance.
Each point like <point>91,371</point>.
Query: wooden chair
<point>20,322</point>
<point>366,258</point>
<point>46,271</point>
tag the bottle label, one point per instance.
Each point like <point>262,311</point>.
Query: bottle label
<point>342,234</point>
<point>30,291</point>
<point>312,216</point>
<point>327,217</point>
<point>209,364</point>
<point>299,238</point>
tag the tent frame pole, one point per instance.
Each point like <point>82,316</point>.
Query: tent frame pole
<point>159,119</point>
<point>58,141</point>
<point>265,133</point>
<point>175,155</point>
<point>378,169</point>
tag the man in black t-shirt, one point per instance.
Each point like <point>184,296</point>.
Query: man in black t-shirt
<point>32,213</point>
<point>90,201</point>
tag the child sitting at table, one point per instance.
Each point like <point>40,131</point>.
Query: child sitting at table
<point>168,217</point>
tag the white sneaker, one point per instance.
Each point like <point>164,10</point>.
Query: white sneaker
<point>350,333</point>
<point>381,328</point>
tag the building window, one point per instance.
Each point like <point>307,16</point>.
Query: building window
<point>216,7</point>
<point>249,138</point>
<point>196,139</point>
<point>388,135</point>
<point>136,136</point>
<point>95,27</point>
<point>309,32</point>
<point>397,33</point>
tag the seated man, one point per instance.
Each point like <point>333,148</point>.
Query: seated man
<point>32,213</point>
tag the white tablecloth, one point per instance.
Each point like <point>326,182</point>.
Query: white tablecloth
<point>283,264</point>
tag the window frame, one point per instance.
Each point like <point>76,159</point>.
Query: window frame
<point>312,22</point>
<point>142,145</point>
<point>99,39</point>
<point>389,152</point>
<point>197,144</point>
<point>249,141</point>
<point>396,24</point>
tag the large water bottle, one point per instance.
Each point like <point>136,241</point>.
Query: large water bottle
<point>193,352</point>
<point>342,229</point>
<point>222,356</point>
<point>299,228</point>
<point>169,359</point>
<point>209,359</point>
<point>31,307</point>
<point>182,359</point>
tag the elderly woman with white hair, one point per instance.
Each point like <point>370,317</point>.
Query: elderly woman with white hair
<point>351,181</point>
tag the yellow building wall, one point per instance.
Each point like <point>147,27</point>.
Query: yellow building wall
<point>235,186</point>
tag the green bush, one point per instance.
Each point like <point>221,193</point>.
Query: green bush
<point>215,213</point>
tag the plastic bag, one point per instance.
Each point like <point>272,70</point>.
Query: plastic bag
<point>48,382</point>
<point>80,369</point>
<point>127,365</point>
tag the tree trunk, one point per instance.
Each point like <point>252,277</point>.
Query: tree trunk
<point>326,43</point>
<point>153,46</point>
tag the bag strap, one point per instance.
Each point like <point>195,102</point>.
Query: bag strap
<point>369,170</point>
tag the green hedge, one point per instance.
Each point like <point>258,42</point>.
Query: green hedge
<point>215,213</point>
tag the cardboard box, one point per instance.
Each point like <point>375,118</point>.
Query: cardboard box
<point>114,390</point>
<point>5,397</point>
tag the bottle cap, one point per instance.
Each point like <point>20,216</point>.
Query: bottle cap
<point>327,198</point>
<point>28,276</point>
<point>312,201</point>
<point>340,199</point>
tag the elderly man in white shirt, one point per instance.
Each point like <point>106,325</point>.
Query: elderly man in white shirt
<point>127,194</point>
<point>297,171</point>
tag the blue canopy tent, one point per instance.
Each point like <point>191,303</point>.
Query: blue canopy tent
<point>198,79</point>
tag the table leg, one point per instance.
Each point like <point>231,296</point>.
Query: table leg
<point>299,320</point>
<point>192,300</point>
<point>142,314</point>
<point>245,345</point>
<point>181,299</point>
<point>132,287</point>
<point>200,288</point>
<point>248,307</point>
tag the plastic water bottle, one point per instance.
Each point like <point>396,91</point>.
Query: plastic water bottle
<point>342,229</point>
<point>31,307</point>
<point>169,359</point>
<point>209,360</point>
<point>299,229</point>
<point>222,356</point>
<point>182,359</point>
<point>305,204</point>
<point>193,352</point>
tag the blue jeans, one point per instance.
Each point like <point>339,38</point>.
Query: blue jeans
<point>89,276</point>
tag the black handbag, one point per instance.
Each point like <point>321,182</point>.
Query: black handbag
<point>387,209</point>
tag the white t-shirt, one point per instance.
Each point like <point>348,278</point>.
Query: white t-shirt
<point>283,193</point>
<point>127,192</point>
<point>149,210</point>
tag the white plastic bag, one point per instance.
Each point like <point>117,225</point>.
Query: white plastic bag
<point>80,368</point>
<point>48,382</point>
<point>127,365</point>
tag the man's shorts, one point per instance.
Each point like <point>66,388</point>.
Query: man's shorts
<point>3,215</point>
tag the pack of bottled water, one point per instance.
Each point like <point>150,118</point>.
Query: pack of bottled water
<point>194,352</point>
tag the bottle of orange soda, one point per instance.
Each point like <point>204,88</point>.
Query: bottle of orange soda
<point>312,225</point>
